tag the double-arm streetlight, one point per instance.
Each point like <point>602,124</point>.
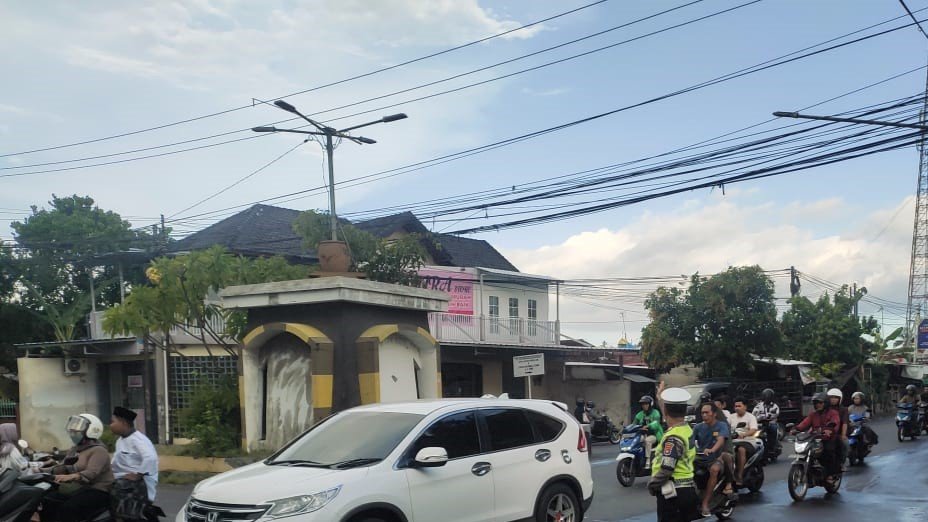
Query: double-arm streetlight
<point>330,133</point>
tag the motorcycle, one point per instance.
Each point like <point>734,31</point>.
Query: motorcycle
<point>46,482</point>
<point>807,470</point>
<point>858,448</point>
<point>923,416</point>
<point>602,429</point>
<point>18,498</point>
<point>632,461</point>
<point>906,422</point>
<point>772,448</point>
<point>720,504</point>
<point>753,474</point>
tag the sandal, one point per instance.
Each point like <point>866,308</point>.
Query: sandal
<point>705,513</point>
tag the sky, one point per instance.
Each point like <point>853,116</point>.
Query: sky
<point>78,72</point>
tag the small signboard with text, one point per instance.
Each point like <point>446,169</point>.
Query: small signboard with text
<point>923,335</point>
<point>528,365</point>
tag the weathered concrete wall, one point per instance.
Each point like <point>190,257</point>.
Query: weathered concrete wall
<point>289,408</point>
<point>492,377</point>
<point>399,359</point>
<point>612,397</point>
<point>48,398</point>
<point>680,376</point>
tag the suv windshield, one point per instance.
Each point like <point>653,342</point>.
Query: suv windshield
<point>695,391</point>
<point>349,439</point>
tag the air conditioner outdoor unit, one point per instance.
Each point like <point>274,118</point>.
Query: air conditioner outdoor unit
<point>75,366</point>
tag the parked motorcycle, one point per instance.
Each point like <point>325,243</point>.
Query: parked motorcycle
<point>907,423</point>
<point>720,504</point>
<point>632,461</point>
<point>753,474</point>
<point>859,448</point>
<point>807,470</point>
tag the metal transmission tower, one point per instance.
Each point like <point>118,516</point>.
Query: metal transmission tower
<point>918,270</point>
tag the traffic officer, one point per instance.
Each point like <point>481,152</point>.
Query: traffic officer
<point>672,474</point>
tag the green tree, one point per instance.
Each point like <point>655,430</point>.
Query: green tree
<point>827,333</point>
<point>59,245</point>
<point>182,294</point>
<point>385,260</point>
<point>720,323</point>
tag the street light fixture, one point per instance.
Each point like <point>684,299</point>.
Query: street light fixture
<point>329,133</point>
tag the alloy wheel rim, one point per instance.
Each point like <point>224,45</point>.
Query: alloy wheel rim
<point>561,509</point>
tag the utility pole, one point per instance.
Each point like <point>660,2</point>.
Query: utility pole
<point>854,296</point>
<point>164,235</point>
<point>794,284</point>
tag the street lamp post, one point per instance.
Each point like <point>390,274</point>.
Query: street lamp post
<point>330,133</point>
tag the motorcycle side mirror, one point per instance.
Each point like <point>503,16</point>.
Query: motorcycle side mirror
<point>23,444</point>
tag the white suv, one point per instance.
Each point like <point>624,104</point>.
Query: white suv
<point>428,461</point>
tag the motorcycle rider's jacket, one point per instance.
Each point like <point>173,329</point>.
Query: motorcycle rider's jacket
<point>821,419</point>
<point>651,419</point>
<point>908,399</point>
<point>678,453</point>
<point>853,409</point>
<point>770,410</point>
<point>92,463</point>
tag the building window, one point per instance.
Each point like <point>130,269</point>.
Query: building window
<point>185,373</point>
<point>513,307</point>
<point>532,317</point>
<point>494,314</point>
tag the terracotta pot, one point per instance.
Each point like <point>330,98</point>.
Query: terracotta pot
<point>333,256</point>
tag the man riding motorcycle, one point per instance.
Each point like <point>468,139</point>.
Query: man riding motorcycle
<point>911,395</point>
<point>858,407</point>
<point>835,396</point>
<point>85,476</point>
<point>768,409</point>
<point>711,437</point>
<point>650,420</point>
<point>826,420</point>
<point>741,416</point>
<point>135,466</point>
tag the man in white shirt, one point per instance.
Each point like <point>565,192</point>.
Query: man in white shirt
<point>135,457</point>
<point>741,416</point>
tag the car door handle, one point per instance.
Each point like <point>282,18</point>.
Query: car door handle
<point>481,468</point>
<point>542,455</point>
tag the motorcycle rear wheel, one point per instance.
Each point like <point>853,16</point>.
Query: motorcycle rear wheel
<point>726,513</point>
<point>755,486</point>
<point>835,486</point>
<point>615,437</point>
<point>796,483</point>
<point>625,472</point>
<point>900,434</point>
<point>852,458</point>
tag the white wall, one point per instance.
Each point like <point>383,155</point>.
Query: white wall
<point>398,359</point>
<point>48,397</point>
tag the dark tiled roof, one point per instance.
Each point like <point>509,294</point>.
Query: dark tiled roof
<point>468,252</point>
<point>264,230</point>
<point>261,230</point>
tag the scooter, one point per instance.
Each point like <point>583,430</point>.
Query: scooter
<point>858,449</point>
<point>46,481</point>
<point>807,470</point>
<point>18,498</point>
<point>923,416</point>
<point>632,461</point>
<point>753,473</point>
<point>772,447</point>
<point>906,422</point>
<point>602,429</point>
<point>720,504</point>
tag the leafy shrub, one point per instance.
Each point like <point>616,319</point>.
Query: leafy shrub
<point>212,419</point>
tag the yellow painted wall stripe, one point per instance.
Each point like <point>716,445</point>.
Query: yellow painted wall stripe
<point>252,335</point>
<point>306,333</point>
<point>322,391</point>
<point>369,384</point>
<point>425,333</point>
<point>380,332</point>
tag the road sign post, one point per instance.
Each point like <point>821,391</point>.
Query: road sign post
<point>527,366</point>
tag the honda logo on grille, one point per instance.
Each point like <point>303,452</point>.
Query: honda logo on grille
<point>212,516</point>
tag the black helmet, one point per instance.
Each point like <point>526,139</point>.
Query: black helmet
<point>767,395</point>
<point>911,389</point>
<point>819,397</point>
<point>705,397</point>
<point>646,399</point>
<point>580,401</point>
<point>590,404</point>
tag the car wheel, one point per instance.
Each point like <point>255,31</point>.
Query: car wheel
<point>558,503</point>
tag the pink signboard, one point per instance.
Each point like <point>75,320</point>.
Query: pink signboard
<point>458,285</point>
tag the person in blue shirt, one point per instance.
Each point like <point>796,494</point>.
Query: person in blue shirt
<point>711,436</point>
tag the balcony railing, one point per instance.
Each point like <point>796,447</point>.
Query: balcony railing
<point>493,330</point>
<point>180,335</point>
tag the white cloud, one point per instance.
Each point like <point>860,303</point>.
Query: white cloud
<point>708,238</point>
<point>12,109</point>
<point>545,92</point>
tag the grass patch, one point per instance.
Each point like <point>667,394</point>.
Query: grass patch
<point>182,478</point>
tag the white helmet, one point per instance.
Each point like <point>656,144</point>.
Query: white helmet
<point>86,423</point>
<point>857,394</point>
<point>834,392</point>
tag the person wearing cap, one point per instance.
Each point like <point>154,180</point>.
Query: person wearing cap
<point>135,465</point>
<point>649,418</point>
<point>672,473</point>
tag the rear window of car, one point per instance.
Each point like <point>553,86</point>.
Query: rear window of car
<point>546,428</point>
<point>456,433</point>
<point>508,428</point>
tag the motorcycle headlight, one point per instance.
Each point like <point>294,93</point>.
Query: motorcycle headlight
<point>801,447</point>
<point>287,507</point>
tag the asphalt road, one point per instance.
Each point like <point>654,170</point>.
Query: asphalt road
<point>863,495</point>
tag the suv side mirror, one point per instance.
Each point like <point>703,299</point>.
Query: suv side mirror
<point>431,457</point>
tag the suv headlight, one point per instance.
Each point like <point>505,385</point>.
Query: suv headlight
<point>287,507</point>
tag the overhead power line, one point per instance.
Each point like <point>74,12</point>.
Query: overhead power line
<point>318,87</point>
<point>912,15</point>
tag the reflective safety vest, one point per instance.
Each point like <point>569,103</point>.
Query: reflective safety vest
<point>684,469</point>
